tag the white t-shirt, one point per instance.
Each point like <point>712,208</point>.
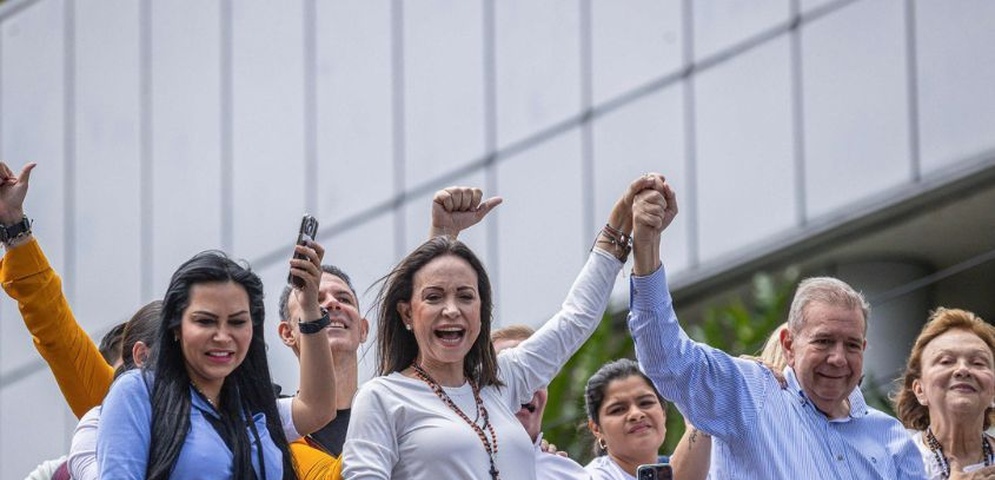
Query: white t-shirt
<point>401,430</point>
<point>604,468</point>
<point>554,467</point>
<point>934,471</point>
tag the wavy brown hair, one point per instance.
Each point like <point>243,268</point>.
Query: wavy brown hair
<point>913,414</point>
<point>397,346</point>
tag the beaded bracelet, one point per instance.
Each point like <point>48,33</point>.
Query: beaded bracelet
<point>621,244</point>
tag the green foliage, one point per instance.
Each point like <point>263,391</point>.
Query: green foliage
<point>739,327</point>
<point>565,420</point>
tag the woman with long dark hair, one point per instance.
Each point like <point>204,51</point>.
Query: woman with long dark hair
<point>445,404</point>
<point>205,406</point>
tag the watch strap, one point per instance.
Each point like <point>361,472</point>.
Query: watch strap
<point>17,230</point>
<point>315,326</point>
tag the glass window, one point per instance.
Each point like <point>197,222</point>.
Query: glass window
<point>745,188</point>
<point>108,161</point>
<point>355,133</point>
<point>856,105</point>
<point>267,127</point>
<point>443,87</point>
<point>27,407</point>
<point>542,242</point>
<point>186,134</point>
<point>721,25</point>
<point>647,136</point>
<point>632,43</point>
<point>956,76</point>
<point>537,48</point>
<point>32,117</point>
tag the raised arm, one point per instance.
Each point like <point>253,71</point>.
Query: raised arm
<point>455,209</point>
<point>537,360</point>
<point>81,372</point>
<point>314,405</point>
<point>717,393</point>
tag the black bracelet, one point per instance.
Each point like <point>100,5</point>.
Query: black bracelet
<point>315,326</point>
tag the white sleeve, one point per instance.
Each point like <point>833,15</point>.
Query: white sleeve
<point>534,362</point>
<point>370,450</point>
<point>46,469</point>
<point>83,449</point>
<point>285,407</point>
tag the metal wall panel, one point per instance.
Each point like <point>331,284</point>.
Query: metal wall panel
<point>633,43</point>
<point>443,87</point>
<point>745,187</point>
<point>525,105</point>
<point>856,106</point>
<point>542,244</point>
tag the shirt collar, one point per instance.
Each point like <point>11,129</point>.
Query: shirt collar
<point>858,406</point>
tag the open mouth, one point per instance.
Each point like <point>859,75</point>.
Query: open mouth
<point>338,325</point>
<point>531,407</point>
<point>450,335</point>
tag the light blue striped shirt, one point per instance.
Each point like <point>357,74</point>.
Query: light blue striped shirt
<point>760,431</point>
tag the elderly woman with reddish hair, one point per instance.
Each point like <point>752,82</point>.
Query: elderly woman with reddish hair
<point>948,395</point>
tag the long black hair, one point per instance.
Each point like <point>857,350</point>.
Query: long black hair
<point>397,346</point>
<point>246,391</point>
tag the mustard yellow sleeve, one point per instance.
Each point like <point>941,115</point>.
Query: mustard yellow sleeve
<point>314,464</point>
<point>81,372</point>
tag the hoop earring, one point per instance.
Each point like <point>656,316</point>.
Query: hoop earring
<point>601,444</point>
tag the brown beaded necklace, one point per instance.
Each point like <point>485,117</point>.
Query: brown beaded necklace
<point>937,449</point>
<point>490,445</point>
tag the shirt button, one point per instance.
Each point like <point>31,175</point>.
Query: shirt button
<point>839,457</point>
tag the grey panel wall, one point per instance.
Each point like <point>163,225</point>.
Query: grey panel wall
<point>166,128</point>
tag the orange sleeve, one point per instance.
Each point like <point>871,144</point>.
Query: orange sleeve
<point>314,464</point>
<point>81,372</point>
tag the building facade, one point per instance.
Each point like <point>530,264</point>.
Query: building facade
<point>851,137</point>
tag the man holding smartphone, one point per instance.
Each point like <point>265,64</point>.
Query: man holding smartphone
<point>317,455</point>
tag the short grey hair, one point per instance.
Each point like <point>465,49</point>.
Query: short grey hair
<point>827,291</point>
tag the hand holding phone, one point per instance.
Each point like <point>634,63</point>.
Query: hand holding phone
<point>309,229</point>
<point>655,471</point>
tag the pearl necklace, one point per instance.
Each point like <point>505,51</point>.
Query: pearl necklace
<point>490,444</point>
<point>937,449</point>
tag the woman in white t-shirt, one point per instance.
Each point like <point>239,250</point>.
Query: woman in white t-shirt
<point>628,419</point>
<point>444,405</point>
<point>948,395</point>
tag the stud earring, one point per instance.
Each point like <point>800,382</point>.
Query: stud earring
<point>407,326</point>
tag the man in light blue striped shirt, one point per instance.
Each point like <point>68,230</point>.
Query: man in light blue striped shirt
<point>818,427</point>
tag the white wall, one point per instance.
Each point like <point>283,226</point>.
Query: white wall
<point>166,128</point>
